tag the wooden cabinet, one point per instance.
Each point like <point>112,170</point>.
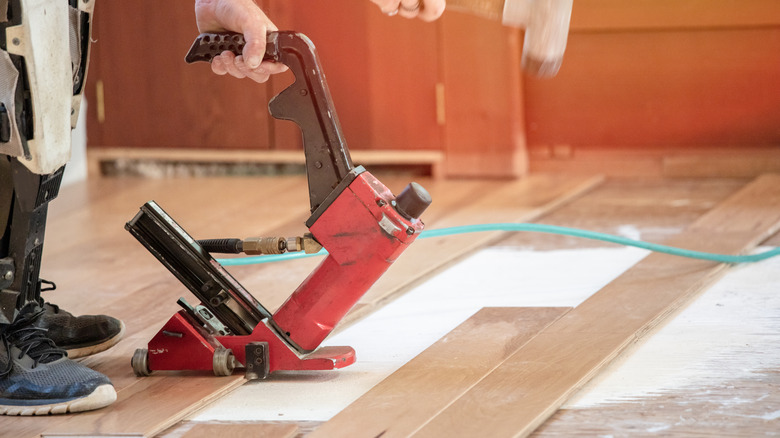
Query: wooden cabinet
<point>142,94</point>
<point>401,85</point>
<point>637,76</point>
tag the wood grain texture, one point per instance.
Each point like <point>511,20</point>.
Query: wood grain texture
<point>484,129</point>
<point>704,411</point>
<point>532,384</point>
<point>233,430</point>
<point>100,268</point>
<point>152,97</point>
<point>411,396</point>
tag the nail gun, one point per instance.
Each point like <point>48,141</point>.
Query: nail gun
<point>354,216</point>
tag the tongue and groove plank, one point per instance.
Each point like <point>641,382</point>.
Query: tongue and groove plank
<point>537,379</point>
<point>420,389</point>
<point>235,430</point>
<point>143,293</point>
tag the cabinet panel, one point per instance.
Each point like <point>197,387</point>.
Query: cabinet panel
<point>382,72</point>
<point>151,97</point>
<point>683,88</point>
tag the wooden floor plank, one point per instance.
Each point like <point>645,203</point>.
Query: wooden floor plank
<point>100,268</point>
<point>89,251</point>
<point>533,383</point>
<point>136,410</point>
<point>236,430</point>
<point>408,398</point>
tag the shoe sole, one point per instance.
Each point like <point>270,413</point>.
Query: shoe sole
<point>76,353</point>
<point>101,397</point>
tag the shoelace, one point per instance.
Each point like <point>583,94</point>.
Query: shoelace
<point>30,340</point>
<point>50,285</point>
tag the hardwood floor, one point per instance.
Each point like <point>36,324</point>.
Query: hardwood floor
<point>100,268</point>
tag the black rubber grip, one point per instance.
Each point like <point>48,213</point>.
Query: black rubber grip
<point>209,45</point>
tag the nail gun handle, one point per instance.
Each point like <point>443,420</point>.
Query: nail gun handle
<point>306,102</point>
<point>209,45</point>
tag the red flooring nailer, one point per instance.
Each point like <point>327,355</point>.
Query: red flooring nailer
<point>355,217</point>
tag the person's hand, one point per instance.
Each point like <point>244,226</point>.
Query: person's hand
<point>426,10</point>
<point>242,16</point>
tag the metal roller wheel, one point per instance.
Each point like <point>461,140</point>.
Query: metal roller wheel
<point>140,362</point>
<point>224,362</point>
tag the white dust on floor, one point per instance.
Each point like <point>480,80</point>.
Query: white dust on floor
<point>390,337</point>
<point>730,332</point>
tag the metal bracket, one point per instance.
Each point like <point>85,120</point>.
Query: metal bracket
<point>257,360</point>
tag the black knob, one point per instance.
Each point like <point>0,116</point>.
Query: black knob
<point>412,201</point>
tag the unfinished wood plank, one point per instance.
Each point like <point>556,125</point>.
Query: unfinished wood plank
<point>136,412</point>
<point>427,384</point>
<point>533,383</point>
<point>234,430</point>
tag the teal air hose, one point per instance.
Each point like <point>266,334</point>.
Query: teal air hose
<point>538,228</point>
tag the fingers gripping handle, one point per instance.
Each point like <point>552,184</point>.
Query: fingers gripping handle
<point>209,45</point>
<point>306,102</point>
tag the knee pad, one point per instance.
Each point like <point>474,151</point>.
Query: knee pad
<point>43,63</point>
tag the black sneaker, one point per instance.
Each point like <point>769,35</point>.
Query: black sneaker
<point>78,335</point>
<point>37,378</point>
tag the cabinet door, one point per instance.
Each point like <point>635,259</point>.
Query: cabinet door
<point>397,84</point>
<point>141,93</point>
<point>382,73</point>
